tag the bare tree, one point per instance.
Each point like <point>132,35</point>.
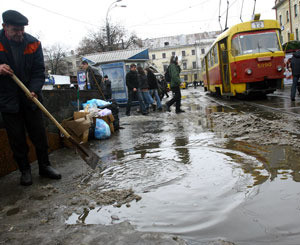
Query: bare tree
<point>108,38</point>
<point>55,59</point>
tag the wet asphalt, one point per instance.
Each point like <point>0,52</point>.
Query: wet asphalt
<point>198,185</point>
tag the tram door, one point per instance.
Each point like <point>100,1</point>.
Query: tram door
<point>224,65</point>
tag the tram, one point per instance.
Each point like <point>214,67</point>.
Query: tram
<point>245,59</point>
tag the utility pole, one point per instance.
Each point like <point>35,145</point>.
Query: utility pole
<point>111,6</point>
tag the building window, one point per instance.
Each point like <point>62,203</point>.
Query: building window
<point>165,68</point>
<point>185,77</point>
<point>195,76</point>
<point>183,53</point>
<point>194,65</point>
<point>289,36</point>
<point>166,43</point>
<point>202,51</point>
<point>297,34</point>
<point>287,16</point>
<point>173,53</point>
<point>164,55</point>
<point>280,20</point>
<point>184,65</point>
<point>296,10</point>
<point>193,52</point>
<point>153,56</point>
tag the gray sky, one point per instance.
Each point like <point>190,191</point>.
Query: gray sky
<point>67,22</point>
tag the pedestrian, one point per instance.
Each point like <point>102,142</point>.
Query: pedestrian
<point>153,85</point>
<point>92,77</point>
<point>21,54</point>
<point>132,89</point>
<point>144,89</point>
<point>195,84</point>
<point>174,71</point>
<point>295,64</point>
<point>107,88</point>
<point>164,88</point>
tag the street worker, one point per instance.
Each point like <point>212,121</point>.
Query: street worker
<point>174,71</point>
<point>107,87</point>
<point>144,89</point>
<point>21,54</point>
<point>92,77</point>
<point>295,64</point>
<point>132,89</point>
<point>153,85</point>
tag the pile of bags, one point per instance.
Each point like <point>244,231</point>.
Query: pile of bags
<point>92,122</point>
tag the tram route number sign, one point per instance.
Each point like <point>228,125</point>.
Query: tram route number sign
<point>257,24</point>
<point>264,65</point>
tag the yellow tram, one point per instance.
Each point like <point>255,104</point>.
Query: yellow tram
<point>245,59</point>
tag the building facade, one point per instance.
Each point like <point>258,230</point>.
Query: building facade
<point>190,49</point>
<point>287,14</point>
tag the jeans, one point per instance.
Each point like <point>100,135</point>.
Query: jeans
<point>155,93</point>
<point>176,98</point>
<point>294,86</point>
<point>141,100</point>
<point>147,99</point>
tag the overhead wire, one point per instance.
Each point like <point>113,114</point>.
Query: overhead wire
<point>56,13</point>
<point>171,14</point>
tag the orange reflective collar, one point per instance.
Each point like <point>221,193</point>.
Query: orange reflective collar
<point>32,47</point>
<point>2,49</point>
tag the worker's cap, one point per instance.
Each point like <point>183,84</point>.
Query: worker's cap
<point>12,17</point>
<point>105,76</point>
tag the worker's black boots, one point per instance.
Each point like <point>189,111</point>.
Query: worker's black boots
<point>49,172</point>
<point>44,171</point>
<point>26,178</point>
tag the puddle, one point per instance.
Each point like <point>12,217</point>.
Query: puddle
<point>185,185</point>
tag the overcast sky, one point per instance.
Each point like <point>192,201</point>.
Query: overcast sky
<point>67,22</point>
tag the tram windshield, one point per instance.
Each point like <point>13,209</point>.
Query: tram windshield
<point>257,42</point>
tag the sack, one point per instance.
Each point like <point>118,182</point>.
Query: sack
<point>167,76</point>
<point>95,103</point>
<point>102,130</point>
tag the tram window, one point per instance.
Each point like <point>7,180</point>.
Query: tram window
<point>215,54</point>
<point>203,64</point>
<point>258,42</point>
<point>211,58</point>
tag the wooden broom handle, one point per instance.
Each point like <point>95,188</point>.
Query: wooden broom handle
<point>39,104</point>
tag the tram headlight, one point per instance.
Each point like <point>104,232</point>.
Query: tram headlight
<point>248,71</point>
<point>279,68</point>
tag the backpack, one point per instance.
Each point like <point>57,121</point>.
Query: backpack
<point>167,76</point>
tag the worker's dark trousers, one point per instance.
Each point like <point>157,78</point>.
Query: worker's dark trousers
<point>16,125</point>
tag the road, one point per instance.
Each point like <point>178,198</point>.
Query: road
<point>225,171</point>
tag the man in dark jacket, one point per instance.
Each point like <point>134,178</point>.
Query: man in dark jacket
<point>132,86</point>
<point>21,54</point>
<point>92,77</point>
<point>295,63</point>
<point>107,88</point>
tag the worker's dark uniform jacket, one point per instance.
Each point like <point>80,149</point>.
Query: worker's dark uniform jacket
<point>30,71</point>
<point>27,62</point>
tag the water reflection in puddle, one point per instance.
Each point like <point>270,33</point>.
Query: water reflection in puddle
<point>186,186</point>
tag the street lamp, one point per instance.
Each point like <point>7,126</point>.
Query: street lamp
<point>113,5</point>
